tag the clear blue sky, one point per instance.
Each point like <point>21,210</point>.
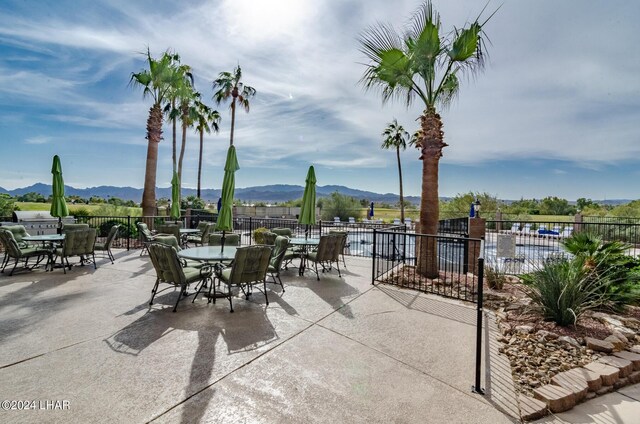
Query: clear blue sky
<point>555,112</point>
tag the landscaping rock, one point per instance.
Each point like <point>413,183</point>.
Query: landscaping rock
<point>558,399</point>
<point>625,366</point>
<point>599,345</point>
<point>621,383</point>
<point>631,322</point>
<point>617,343</point>
<point>635,349</point>
<point>621,336</point>
<point>593,379</point>
<point>531,409</point>
<point>634,377</point>
<point>607,373</point>
<point>569,340</point>
<point>524,329</point>
<point>572,382</point>
<point>546,335</point>
<point>630,356</point>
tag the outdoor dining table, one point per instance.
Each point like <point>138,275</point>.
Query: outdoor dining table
<point>48,241</point>
<point>305,244</point>
<point>209,254</point>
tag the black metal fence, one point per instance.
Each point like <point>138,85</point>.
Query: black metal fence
<point>406,260</point>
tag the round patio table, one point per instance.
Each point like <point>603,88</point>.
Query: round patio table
<point>305,244</point>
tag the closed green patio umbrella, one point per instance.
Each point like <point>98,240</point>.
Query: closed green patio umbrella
<point>175,197</point>
<point>58,204</point>
<point>308,209</point>
<point>225,214</point>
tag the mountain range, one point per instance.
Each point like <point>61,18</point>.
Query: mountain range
<point>268,193</point>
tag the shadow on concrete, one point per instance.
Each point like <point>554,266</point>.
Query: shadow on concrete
<point>246,330</point>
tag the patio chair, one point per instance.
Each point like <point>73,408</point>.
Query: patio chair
<point>277,256</point>
<point>230,239</point>
<point>248,269</point>
<point>515,228</point>
<point>270,238</point>
<point>169,270</point>
<point>345,245</point>
<point>526,230</point>
<point>327,253</point>
<point>172,229</point>
<point>13,250</point>
<point>18,233</point>
<point>73,227</point>
<point>287,232</point>
<point>106,246</point>
<point>201,238</point>
<point>396,221</point>
<point>352,220</point>
<point>145,235</point>
<point>78,242</point>
<point>169,240</point>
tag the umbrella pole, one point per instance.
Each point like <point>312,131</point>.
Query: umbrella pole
<point>306,231</point>
<point>222,242</point>
<point>59,230</point>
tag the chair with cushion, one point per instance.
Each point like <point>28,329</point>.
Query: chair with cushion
<point>277,257</point>
<point>73,227</point>
<point>249,268</point>
<point>172,241</point>
<point>18,233</point>
<point>145,236</point>
<point>80,243</point>
<point>106,246</point>
<point>327,253</point>
<point>169,270</point>
<point>203,236</point>
<point>269,238</point>
<point>287,232</point>
<point>344,245</point>
<point>172,229</point>
<point>13,250</point>
<point>230,239</point>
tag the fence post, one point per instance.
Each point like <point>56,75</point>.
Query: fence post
<point>477,387</point>
<point>250,231</point>
<point>373,255</point>
<point>128,231</point>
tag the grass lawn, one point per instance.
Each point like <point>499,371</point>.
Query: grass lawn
<point>37,206</point>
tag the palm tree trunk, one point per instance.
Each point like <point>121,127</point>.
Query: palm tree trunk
<point>400,177</point>
<point>154,135</point>
<point>431,146</point>
<point>200,130</point>
<point>233,119</point>
<point>184,144</point>
<point>173,124</point>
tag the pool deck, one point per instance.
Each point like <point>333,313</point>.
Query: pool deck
<point>338,350</point>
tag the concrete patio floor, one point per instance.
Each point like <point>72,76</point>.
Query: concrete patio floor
<point>338,350</point>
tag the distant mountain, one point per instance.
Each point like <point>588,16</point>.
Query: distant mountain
<point>267,193</point>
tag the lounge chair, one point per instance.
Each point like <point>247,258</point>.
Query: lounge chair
<point>526,230</point>
<point>515,228</point>
<point>352,220</point>
<point>566,232</point>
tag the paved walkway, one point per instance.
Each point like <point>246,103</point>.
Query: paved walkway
<point>333,351</point>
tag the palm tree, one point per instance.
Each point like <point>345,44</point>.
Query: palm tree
<point>425,64</point>
<point>230,85</point>
<point>188,98</point>
<point>156,82</point>
<point>395,137</point>
<point>181,87</point>
<point>206,120</point>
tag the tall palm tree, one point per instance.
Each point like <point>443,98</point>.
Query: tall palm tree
<point>188,98</point>
<point>206,120</point>
<point>156,82</point>
<point>181,87</point>
<point>229,84</point>
<point>425,64</point>
<point>395,137</point>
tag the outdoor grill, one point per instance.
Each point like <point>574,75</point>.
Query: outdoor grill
<point>38,222</point>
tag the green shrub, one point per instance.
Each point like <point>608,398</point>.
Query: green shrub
<point>566,289</point>
<point>495,277</point>
<point>258,235</point>
<point>341,206</point>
